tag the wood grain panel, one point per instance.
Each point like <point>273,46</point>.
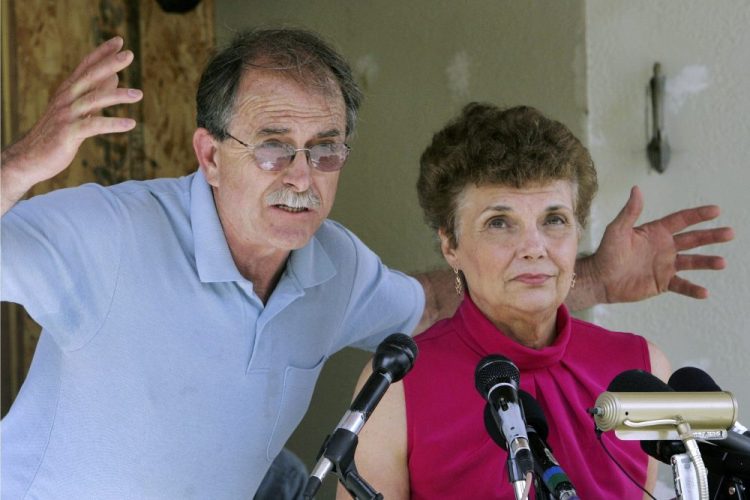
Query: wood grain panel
<point>174,50</point>
<point>43,41</point>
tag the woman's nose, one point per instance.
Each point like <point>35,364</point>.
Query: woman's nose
<point>532,244</point>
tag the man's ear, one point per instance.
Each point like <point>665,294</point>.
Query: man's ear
<point>449,251</point>
<point>204,146</point>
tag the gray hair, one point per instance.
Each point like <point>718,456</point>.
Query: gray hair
<point>303,55</point>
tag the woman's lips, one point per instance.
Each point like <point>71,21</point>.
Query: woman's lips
<point>532,279</point>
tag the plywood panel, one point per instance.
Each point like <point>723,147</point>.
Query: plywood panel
<point>43,41</point>
<point>174,49</point>
<point>51,38</point>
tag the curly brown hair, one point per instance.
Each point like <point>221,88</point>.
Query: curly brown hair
<point>487,145</point>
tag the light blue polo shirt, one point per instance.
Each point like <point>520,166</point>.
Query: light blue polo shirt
<point>159,372</point>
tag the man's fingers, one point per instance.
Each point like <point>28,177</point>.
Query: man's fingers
<point>111,82</point>
<point>111,46</point>
<point>96,125</point>
<point>687,288</point>
<point>681,219</point>
<point>686,262</point>
<point>629,214</point>
<point>95,76</point>
<point>98,99</point>
<point>701,237</point>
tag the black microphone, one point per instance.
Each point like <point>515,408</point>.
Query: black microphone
<point>717,460</point>
<point>730,456</point>
<point>393,359</point>
<point>545,465</point>
<point>496,378</point>
<point>557,482</point>
<point>639,406</point>
<point>636,399</point>
<point>692,379</point>
<point>637,381</point>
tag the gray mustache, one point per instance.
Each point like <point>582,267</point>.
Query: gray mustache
<point>286,196</point>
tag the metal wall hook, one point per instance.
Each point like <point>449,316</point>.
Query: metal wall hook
<point>658,147</point>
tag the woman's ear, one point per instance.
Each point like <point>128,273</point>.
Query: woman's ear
<point>449,251</point>
<point>204,146</point>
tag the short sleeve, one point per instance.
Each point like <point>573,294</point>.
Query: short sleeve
<point>382,301</point>
<point>60,254</point>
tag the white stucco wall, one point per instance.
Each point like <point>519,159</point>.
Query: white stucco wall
<point>704,49</point>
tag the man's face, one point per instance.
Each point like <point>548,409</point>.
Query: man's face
<point>273,108</point>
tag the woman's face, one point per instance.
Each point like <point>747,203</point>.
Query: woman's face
<point>516,247</point>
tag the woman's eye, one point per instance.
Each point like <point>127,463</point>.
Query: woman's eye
<point>556,220</point>
<point>498,222</point>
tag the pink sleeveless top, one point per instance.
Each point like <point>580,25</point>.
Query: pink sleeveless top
<point>450,454</point>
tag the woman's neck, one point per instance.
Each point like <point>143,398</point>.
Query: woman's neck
<point>534,330</point>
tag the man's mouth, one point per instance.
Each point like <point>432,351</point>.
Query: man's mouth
<point>293,210</point>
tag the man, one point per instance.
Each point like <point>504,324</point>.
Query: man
<point>185,321</point>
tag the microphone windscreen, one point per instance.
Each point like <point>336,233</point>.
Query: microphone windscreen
<point>492,370</point>
<point>402,342</point>
<point>691,379</point>
<point>534,414</point>
<point>649,448</point>
<point>395,356</point>
<point>637,381</point>
<point>662,450</point>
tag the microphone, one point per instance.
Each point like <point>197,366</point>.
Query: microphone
<point>393,359</point>
<point>496,378</point>
<point>649,409</point>
<point>546,466</point>
<point>690,378</point>
<point>726,457</point>
<point>718,461</point>
<point>663,414</point>
<point>557,482</point>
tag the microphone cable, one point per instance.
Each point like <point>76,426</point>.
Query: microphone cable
<point>619,466</point>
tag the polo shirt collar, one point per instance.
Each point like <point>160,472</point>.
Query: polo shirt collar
<point>309,266</point>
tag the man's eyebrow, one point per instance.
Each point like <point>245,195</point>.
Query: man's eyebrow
<point>555,208</point>
<point>498,208</point>
<point>334,132</point>
<point>271,131</point>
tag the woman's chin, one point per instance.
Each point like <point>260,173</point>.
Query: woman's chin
<point>536,300</point>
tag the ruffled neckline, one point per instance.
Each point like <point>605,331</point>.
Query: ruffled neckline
<point>485,338</point>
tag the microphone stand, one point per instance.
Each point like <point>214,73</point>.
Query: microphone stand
<point>519,461</point>
<point>691,447</point>
<point>339,449</point>
<point>729,487</point>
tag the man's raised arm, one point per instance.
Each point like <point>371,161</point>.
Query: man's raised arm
<point>632,262</point>
<point>73,115</point>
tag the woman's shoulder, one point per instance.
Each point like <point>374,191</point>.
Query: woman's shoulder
<point>591,340</point>
<point>437,336</point>
<point>581,327</point>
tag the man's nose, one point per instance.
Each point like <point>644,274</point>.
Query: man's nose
<point>299,172</point>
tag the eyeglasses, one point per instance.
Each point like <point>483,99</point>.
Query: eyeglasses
<point>272,156</point>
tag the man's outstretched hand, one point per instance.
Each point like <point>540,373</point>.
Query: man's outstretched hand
<point>637,262</point>
<point>73,115</point>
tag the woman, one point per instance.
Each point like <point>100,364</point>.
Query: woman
<point>509,192</point>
